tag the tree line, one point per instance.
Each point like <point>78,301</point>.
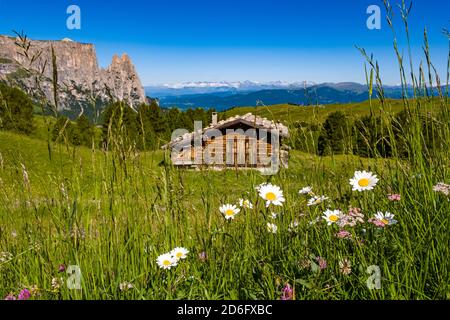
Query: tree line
<point>149,127</point>
<point>146,127</point>
<point>368,136</point>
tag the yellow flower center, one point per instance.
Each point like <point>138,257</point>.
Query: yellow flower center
<point>271,196</point>
<point>229,213</point>
<point>363,182</point>
<point>385,221</point>
<point>334,218</point>
<point>166,263</point>
<point>179,255</point>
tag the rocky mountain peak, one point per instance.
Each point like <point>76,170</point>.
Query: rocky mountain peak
<point>82,83</point>
<point>116,60</point>
<point>122,63</point>
<point>126,58</point>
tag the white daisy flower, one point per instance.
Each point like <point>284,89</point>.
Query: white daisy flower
<point>345,266</point>
<point>272,194</point>
<point>386,218</point>
<point>316,200</point>
<point>57,283</point>
<point>179,253</point>
<point>166,261</point>
<point>442,188</point>
<point>125,286</point>
<point>332,216</point>
<point>260,186</point>
<point>229,211</point>
<point>272,228</point>
<point>305,190</point>
<point>245,204</point>
<point>293,226</point>
<point>273,215</point>
<point>363,180</point>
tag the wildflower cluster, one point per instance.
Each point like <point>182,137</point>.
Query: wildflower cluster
<point>172,258</point>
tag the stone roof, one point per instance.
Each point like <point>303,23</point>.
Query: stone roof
<point>249,119</point>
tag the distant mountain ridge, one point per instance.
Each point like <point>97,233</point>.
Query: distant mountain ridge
<point>204,87</point>
<point>228,95</point>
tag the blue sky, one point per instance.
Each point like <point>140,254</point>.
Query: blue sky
<point>210,40</point>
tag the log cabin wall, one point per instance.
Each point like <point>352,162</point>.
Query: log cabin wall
<point>238,142</point>
<point>230,150</point>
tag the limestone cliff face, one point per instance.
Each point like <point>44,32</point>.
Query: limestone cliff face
<point>122,77</point>
<point>81,82</point>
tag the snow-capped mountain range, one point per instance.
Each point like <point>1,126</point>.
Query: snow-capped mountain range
<point>237,84</point>
<point>202,87</point>
<point>224,95</point>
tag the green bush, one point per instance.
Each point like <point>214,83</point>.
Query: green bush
<point>16,110</point>
<point>371,138</point>
<point>149,127</point>
<point>120,125</point>
<point>335,134</point>
<point>80,133</point>
<point>85,131</point>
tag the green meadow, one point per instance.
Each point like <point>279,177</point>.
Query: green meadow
<point>113,214</point>
<point>95,223</point>
<point>313,114</point>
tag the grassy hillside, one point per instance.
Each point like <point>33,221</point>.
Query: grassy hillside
<point>313,114</point>
<point>288,114</point>
<point>112,214</point>
<point>67,161</point>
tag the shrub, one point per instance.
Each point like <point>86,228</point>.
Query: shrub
<point>334,135</point>
<point>16,110</point>
<point>80,133</point>
<point>371,138</point>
